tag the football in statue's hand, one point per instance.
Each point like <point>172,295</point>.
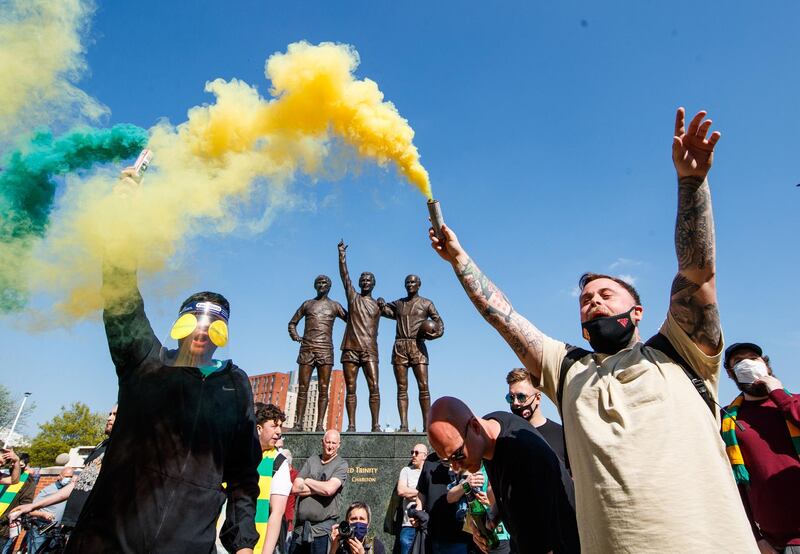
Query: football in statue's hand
<point>428,330</point>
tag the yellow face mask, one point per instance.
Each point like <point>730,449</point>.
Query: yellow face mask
<point>187,323</point>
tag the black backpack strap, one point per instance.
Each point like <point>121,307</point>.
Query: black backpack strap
<point>662,343</point>
<point>276,465</point>
<point>280,459</point>
<point>570,358</point>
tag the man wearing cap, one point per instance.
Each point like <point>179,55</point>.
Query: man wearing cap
<point>761,430</point>
<point>185,424</point>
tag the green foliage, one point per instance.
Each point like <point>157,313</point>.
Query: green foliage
<point>74,426</point>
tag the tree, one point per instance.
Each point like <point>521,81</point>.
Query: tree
<point>8,409</point>
<point>74,426</point>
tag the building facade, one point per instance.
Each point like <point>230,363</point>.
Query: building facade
<point>281,389</point>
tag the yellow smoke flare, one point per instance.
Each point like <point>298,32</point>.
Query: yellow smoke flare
<point>315,94</point>
<point>41,56</point>
<point>227,154</point>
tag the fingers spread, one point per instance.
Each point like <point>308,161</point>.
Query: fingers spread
<point>712,140</point>
<point>695,123</point>
<point>703,129</point>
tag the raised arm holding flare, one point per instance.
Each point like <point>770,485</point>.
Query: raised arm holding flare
<point>185,424</point>
<point>520,334</point>
<point>619,402</point>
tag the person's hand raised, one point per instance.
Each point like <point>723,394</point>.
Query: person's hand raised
<point>450,248</point>
<point>692,152</point>
<point>128,183</point>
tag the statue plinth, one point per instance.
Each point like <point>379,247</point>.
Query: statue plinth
<point>375,461</point>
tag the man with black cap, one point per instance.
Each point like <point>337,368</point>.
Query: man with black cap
<point>761,430</point>
<point>185,424</point>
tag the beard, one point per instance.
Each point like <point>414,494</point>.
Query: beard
<point>752,389</point>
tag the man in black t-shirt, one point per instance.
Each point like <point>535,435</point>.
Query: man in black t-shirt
<point>444,527</point>
<point>525,401</point>
<point>534,493</point>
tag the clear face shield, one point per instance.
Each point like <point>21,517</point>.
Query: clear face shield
<point>201,332</point>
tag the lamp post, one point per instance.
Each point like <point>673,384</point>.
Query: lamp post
<point>16,419</point>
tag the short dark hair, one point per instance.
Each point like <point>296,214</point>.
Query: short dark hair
<point>517,375</point>
<point>359,505</point>
<point>588,277</point>
<point>268,412</point>
<point>25,458</point>
<point>207,296</point>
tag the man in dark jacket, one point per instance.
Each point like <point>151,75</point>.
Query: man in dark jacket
<point>185,424</point>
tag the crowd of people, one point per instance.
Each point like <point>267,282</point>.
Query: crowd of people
<point>646,461</point>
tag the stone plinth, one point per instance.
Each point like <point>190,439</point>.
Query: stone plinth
<point>375,461</point>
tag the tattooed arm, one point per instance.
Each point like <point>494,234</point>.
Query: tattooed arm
<point>519,333</point>
<point>693,301</point>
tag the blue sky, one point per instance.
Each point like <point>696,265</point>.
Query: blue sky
<point>546,128</point>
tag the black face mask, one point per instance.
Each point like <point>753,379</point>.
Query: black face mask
<point>609,335</point>
<point>519,410</point>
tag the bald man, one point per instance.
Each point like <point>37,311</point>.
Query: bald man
<point>319,489</point>
<point>407,489</point>
<point>540,514</point>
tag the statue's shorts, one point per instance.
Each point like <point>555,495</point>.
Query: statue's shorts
<point>409,352</point>
<point>315,356</point>
<point>358,357</point>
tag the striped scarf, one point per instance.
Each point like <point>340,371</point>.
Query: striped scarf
<point>11,491</point>
<point>729,416</point>
<point>262,504</point>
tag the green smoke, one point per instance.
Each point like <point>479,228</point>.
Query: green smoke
<point>27,190</point>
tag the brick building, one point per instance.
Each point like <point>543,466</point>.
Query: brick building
<point>271,388</point>
<point>281,389</point>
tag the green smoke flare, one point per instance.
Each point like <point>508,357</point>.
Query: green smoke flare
<point>27,189</point>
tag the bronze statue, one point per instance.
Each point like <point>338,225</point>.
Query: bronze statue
<point>360,343</point>
<point>409,345</point>
<point>316,347</point>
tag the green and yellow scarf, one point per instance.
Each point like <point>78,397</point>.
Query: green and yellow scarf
<point>729,416</point>
<point>11,491</point>
<point>265,469</point>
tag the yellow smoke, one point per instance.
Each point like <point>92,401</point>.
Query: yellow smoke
<point>41,56</point>
<point>206,167</point>
<point>316,94</point>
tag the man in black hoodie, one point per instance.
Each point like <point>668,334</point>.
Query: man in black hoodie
<point>185,424</point>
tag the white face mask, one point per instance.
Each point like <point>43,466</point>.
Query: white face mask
<point>66,480</point>
<point>749,371</point>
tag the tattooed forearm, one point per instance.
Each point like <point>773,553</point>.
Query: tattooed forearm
<point>693,301</point>
<point>699,321</point>
<point>694,228</point>
<point>494,306</point>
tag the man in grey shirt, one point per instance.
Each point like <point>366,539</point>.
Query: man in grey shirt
<point>51,513</point>
<point>319,489</point>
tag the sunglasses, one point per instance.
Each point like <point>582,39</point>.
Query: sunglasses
<point>458,454</point>
<point>418,452</point>
<point>520,397</point>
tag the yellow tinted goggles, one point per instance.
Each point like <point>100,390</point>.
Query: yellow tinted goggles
<point>187,323</point>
